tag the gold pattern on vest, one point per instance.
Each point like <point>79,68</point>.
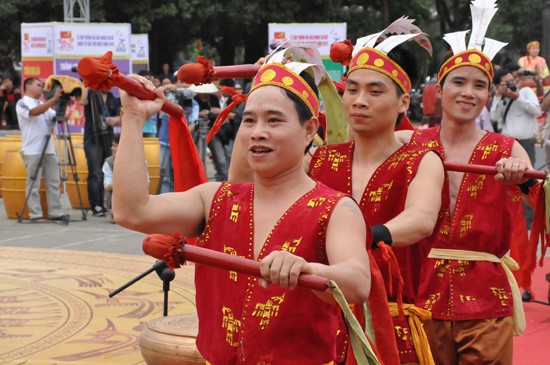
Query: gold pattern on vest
<point>381,193</point>
<point>477,186</point>
<point>488,149</point>
<point>292,245</point>
<point>500,293</point>
<point>336,158</point>
<point>433,298</point>
<point>234,215</point>
<point>441,266</point>
<point>402,333</point>
<point>232,252</point>
<point>467,298</point>
<point>432,143</point>
<point>268,309</point>
<point>312,203</point>
<point>461,269</point>
<point>232,326</point>
<point>466,224</point>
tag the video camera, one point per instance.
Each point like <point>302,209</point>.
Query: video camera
<point>184,97</point>
<point>511,85</point>
<point>54,85</point>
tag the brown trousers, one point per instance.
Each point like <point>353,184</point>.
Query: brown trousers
<point>486,341</point>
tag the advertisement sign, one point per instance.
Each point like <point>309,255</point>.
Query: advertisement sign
<point>139,52</point>
<point>321,35</point>
<point>56,48</point>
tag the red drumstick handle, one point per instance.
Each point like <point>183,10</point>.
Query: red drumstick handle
<point>242,265</point>
<point>137,89</point>
<point>489,170</point>
<point>236,71</point>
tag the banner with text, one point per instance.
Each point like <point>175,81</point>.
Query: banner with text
<point>321,35</point>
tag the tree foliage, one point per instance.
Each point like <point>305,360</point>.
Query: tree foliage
<point>235,31</point>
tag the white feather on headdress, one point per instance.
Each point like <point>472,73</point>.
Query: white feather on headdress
<point>396,33</point>
<point>492,47</point>
<point>291,52</point>
<point>456,40</point>
<point>482,14</point>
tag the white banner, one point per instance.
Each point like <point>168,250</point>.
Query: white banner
<point>92,39</point>
<point>36,40</point>
<point>139,45</point>
<point>321,35</point>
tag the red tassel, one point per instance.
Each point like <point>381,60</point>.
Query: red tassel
<point>237,98</point>
<point>189,170</point>
<point>391,260</point>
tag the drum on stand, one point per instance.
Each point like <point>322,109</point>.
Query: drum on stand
<point>171,340</point>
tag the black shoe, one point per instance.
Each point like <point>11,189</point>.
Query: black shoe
<point>38,220</point>
<point>63,219</point>
<point>527,296</point>
<point>98,212</point>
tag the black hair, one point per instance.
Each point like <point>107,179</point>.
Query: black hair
<point>408,62</point>
<point>304,113</point>
<point>227,82</point>
<point>116,138</point>
<point>28,81</point>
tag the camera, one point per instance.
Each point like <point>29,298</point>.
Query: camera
<point>528,73</point>
<point>184,97</point>
<point>511,85</point>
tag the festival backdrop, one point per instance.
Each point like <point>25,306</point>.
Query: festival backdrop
<point>321,35</point>
<point>55,48</point>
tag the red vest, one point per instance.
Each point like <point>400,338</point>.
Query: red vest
<point>240,322</point>
<point>482,221</point>
<point>383,199</point>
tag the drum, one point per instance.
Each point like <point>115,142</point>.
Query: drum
<point>14,177</point>
<point>82,172</point>
<point>152,155</point>
<point>171,341</point>
<point>7,142</point>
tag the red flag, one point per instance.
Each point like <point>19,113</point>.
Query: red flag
<point>189,170</point>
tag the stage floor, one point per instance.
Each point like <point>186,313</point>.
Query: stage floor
<point>55,309</point>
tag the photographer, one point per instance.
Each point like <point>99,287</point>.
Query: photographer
<point>101,112</point>
<point>35,118</point>
<point>517,107</point>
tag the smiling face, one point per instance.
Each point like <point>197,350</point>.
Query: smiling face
<point>272,133</point>
<point>464,93</point>
<point>371,101</point>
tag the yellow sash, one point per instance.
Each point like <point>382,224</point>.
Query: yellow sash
<point>420,341</point>
<point>508,264</point>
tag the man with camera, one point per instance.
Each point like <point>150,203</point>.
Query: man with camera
<point>35,118</point>
<point>517,107</point>
<point>101,112</point>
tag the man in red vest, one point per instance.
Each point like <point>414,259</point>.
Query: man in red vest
<point>466,282</point>
<point>284,219</point>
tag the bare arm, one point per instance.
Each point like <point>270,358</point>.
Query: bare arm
<point>132,205</point>
<point>346,252</point>
<point>422,205</point>
<point>545,104</point>
<point>42,108</point>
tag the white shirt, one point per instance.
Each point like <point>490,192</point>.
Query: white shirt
<point>521,120</point>
<point>35,128</point>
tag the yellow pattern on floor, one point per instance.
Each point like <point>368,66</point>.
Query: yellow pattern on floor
<point>55,309</point>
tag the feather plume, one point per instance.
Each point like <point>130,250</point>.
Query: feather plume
<point>366,41</point>
<point>482,13</point>
<point>391,42</point>
<point>403,25</point>
<point>456,40</point>
<point>492,47</point>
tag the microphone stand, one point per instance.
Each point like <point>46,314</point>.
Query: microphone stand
<point>164,273</point>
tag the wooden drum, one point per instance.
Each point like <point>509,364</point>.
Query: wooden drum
<point>171,341</point>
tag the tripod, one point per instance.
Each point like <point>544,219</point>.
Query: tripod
<point>164,273</point>
<point>200,139</point>
<point>66,159</point>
